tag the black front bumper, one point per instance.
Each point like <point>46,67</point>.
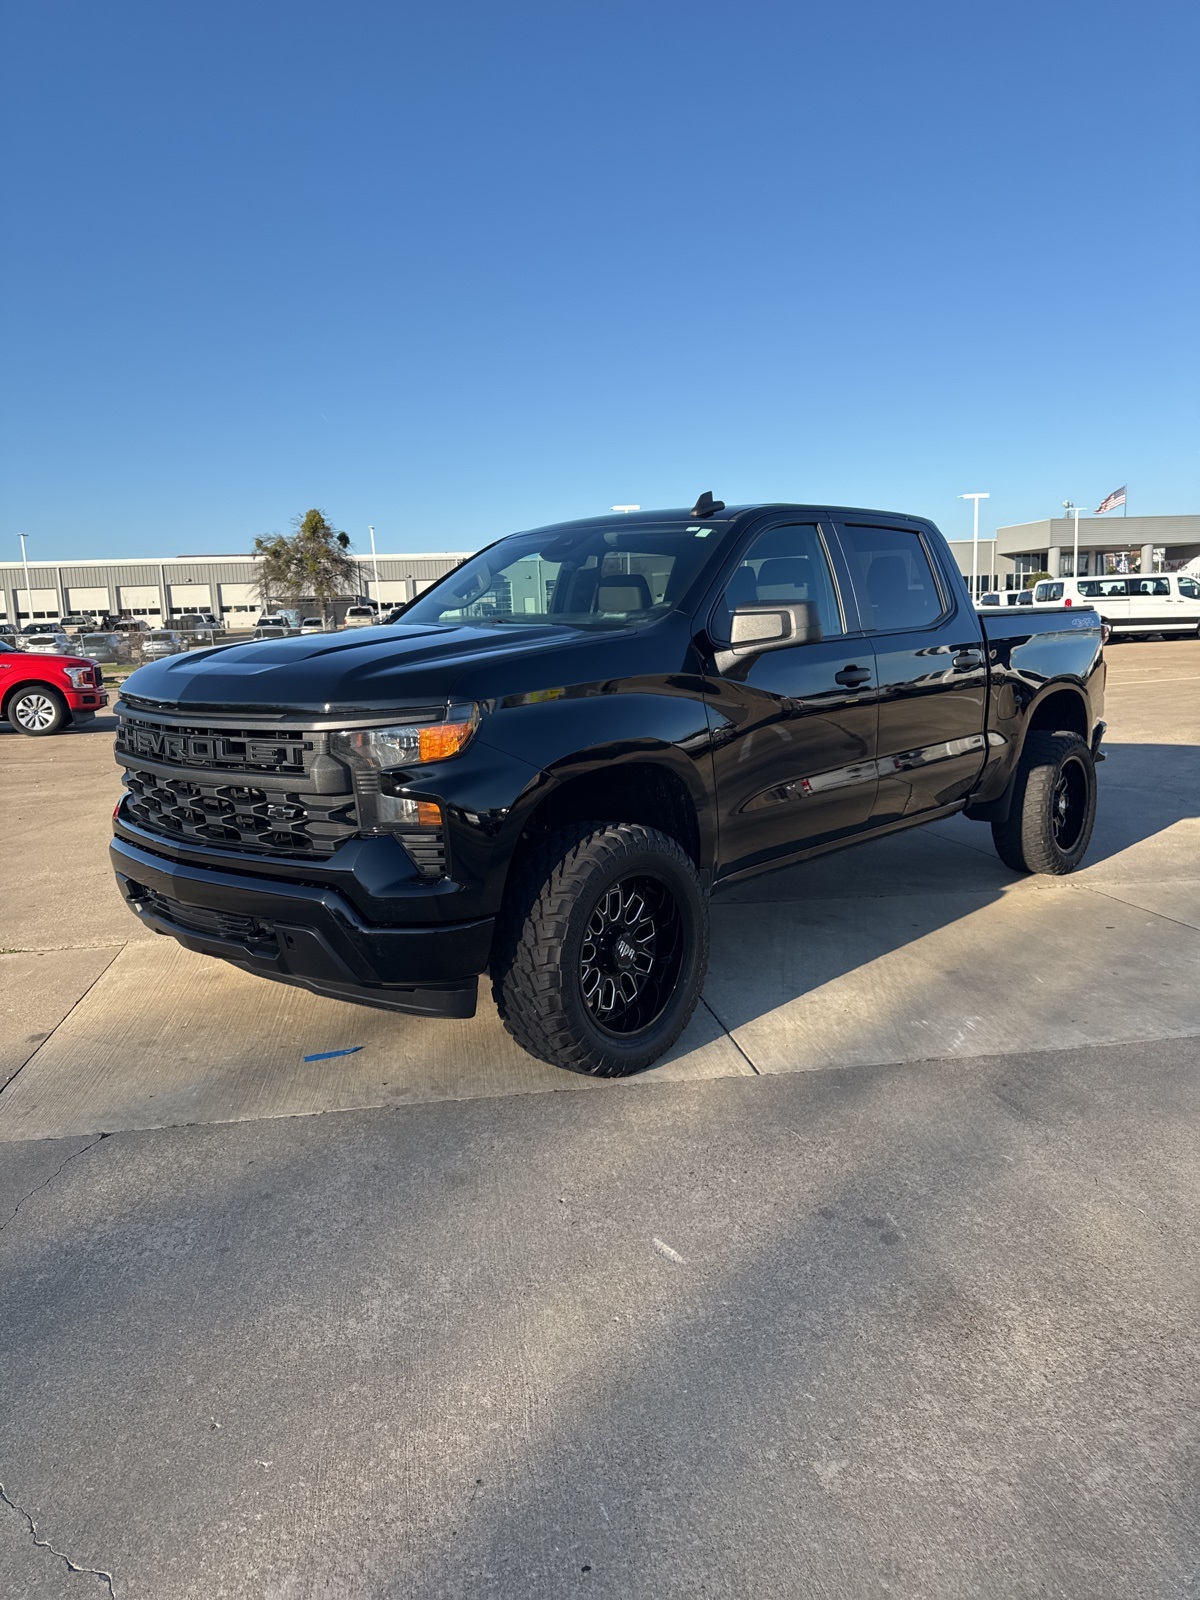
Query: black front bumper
<point>307,935</point>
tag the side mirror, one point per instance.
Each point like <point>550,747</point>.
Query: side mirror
<point>773,627</point>
<point>755,628</point>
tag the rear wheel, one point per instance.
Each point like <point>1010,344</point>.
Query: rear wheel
<point>1054,806</point>
<point>37,711</point>
<point>601,948</point>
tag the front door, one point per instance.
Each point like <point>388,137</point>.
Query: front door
<point>931,667</point>
<point>793,729</point>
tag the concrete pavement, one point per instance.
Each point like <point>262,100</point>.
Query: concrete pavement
<point>913,1330</point>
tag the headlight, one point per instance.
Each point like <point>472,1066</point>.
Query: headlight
<point>406,744</point>
<point>80,677</point>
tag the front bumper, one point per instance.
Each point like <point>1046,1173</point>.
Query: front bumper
<point>86,701</point>
<point>304,934</point>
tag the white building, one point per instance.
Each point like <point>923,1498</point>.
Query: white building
<point>162,590</point>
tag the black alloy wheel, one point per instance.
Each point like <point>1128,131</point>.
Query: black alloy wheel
<point>631,954</point>
<point>1069,813</point>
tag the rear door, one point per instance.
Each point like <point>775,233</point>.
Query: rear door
<point>931,667</point>
<point>794,728</point>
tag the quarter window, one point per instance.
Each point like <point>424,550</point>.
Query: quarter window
<point>1189,588</point>
<point>896,584</point>
<point>785,566</point>
<point>1149,586</point>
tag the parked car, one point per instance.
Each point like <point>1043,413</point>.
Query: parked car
<point>543,771</point>
<point>42,694</point>
<point>79,622</point>
<point>267,630</point>
<point>280,620</point>
<point>162,642</point>
<point>1001,597</point>
<point>312,625</point>
<point>360,616</point>
<point>110,649</point>
<point>131,625</point>
<point>1140,603</point>
<point>48,641</point>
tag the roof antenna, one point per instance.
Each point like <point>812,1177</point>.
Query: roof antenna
<point>706,506</point>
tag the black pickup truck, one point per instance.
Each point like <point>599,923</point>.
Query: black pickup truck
<point>545,768</point>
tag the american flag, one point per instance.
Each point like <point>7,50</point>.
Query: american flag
<point>1116,498</point>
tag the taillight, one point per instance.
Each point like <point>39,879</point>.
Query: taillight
<point>1067,601</point>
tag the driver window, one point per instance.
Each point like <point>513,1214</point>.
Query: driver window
<point>787,566</point>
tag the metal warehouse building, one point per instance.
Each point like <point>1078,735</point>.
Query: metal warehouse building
<point>160,590</point>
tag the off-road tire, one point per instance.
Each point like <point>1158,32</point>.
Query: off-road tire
<point>1029,841</point>
<point>537,961</point>
<point>43,709</point>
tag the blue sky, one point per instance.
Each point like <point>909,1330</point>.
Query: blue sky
<point>458,270</point>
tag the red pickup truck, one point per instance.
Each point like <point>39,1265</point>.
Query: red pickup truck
<point>45,694</point>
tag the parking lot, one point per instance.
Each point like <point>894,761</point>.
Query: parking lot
<point>885,1281</point>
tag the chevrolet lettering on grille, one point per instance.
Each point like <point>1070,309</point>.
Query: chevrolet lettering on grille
<point>205,749</point>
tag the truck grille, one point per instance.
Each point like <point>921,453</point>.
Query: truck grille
<point>274,791</point>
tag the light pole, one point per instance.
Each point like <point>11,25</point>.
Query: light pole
<point>975,543</point>
<point>375,563</point>
<point>1072,510</point>
<point>28,589</point>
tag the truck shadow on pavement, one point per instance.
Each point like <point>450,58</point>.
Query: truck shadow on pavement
<point>925,944</point>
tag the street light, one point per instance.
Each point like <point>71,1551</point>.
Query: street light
<point>28,590</point>
<point>375,561</point>
<point>1072,509</point>
<point>975,544</point>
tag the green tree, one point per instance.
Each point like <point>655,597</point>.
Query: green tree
<point>313,562</point>
<point>274,570</point>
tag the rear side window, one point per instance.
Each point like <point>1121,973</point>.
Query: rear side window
<point>1103,588</point>
<point>895,581</point>
<point>1048,591</point>
<point>785,566</point>
<point>1149,586</point>
<point>1189,588</point>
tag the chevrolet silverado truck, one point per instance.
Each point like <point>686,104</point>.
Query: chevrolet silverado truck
<point>544,769</point>
<point>43,694</point>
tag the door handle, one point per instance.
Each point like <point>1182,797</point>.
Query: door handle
<point>853,677</point>
<point>967,660</point>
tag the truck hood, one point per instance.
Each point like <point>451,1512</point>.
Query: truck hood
<point>358,672</point>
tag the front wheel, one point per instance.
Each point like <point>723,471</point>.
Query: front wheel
<point>1054,806</point>
<point>37,712</point>
<point>601,948</point>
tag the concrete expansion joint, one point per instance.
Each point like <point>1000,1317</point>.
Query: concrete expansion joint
<point>45,1184</point>
<point>44,1544</point>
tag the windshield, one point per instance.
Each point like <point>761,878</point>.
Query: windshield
<point>590,576</point>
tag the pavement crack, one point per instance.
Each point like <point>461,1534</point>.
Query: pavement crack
<point>729,1035</point>
<point>46,1182</point>
<point>116,951</point>
<point>44,1544</point>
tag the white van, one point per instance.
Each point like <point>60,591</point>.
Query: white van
<point>1144,602</point>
